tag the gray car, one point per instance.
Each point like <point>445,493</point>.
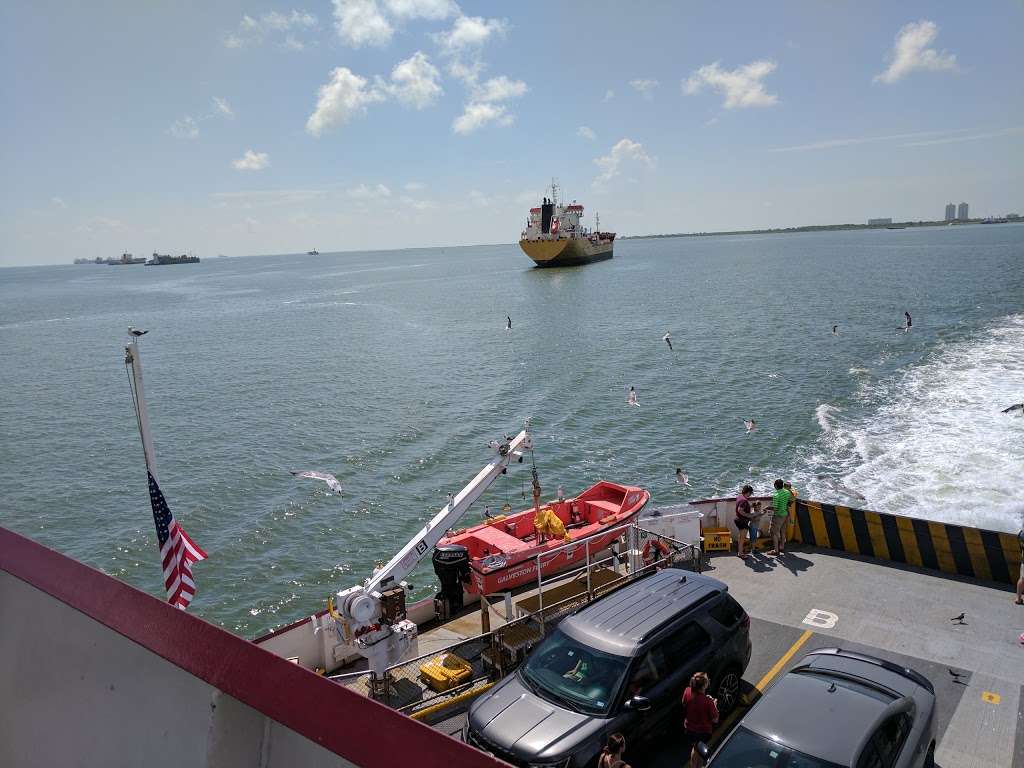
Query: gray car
<point>618,665</point>
<point>837,709</point>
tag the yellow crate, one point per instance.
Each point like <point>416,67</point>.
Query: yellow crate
<point>716,539</point>
<point>446,672</point>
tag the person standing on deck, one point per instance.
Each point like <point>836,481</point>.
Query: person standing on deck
<point>700,715</point>
<point>1020,581</point>
<point>791,521</point>
<point>746,520</point>
<point>780,513</point>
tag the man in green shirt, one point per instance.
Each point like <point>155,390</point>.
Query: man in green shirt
<point>780,514</point>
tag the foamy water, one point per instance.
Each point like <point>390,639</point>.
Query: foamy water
<point>935,443</point>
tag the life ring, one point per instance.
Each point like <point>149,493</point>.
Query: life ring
<point>650,553</point>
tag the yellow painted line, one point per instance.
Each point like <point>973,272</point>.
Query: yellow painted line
<point>451,702</point>
<point>818,525</point>
<point>991,698</point>
<point>846,528</point>
<point>909,541</point>
<point>877,534</point>
<point>777,667</point>
<point>940,543</point>
<point>976,550</point>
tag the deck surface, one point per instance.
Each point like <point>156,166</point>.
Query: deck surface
<point>894,612</point>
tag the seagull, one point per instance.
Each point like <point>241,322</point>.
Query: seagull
<point>631,398</point>
<point>750,424</point>
<point>835,330</point>
<point>327,477</point>
<point>959,619</point>
<point>1014,407</point>
<point>508,323</point>
<point>681,477</point>
<point>907,325</point>
<point>954,673</point>
<point>136,332</point>
<point>667,338</point>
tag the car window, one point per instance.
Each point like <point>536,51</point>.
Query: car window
<point>890,736</point>
<point>726,611</point>
<point>746,749</point>
<point>869,758</point>
<point>684,644</point>
<point>573,674</point>
<point>645,674</point>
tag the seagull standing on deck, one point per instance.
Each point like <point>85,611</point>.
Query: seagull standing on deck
<point>667,338</point>
<point>327,477</point>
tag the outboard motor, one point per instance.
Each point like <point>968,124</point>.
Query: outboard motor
<point>451,564</point>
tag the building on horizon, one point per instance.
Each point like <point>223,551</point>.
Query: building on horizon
<point>950,212</point>
<point>961,212</point>
<point>879,222</point>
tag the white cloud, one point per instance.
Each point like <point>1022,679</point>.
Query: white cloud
<point>255,31</point>
<point>223,107</point>
<point>742,87</point>
<point>360,22</point>
<point>625,151</point>
<point>414,82</point>
<point>586,133</point>
<point>251,161</point>
<point>478,114</point>
<point>644,87</point>
<point>417,204</point>
<point>911,52</point>
<point>421,9</point>
<point>499,89</point>
<point>341,99</point>
<point>59,202</point>
<point>363,192</point>
<point>184,128</point>
<point>414,186</point>
<point>470,32</point>
<point>608,95</point>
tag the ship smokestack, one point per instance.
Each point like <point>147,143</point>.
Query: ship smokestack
<point>546,211</point>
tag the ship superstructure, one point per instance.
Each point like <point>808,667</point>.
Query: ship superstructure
<point>556,237</point>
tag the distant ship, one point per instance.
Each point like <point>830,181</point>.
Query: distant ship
<point>160,260</point>
<point>126,258</point>
<point>554,236</point>
<point>314,252</point>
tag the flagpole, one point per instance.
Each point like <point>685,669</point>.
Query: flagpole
<point>133,356</point>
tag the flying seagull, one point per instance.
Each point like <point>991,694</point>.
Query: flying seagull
<point>136,332</point>
<point>681,477</point>
<point>959,619</point>
<point>508,323</point>
<point>327,477</point>
<point>750,424</point>
<point>954,673</point>
<point>631,398</point>
<point>1014,407</point>
<point>908,324</point>
<point>667,338</point>
<point>835,330</point>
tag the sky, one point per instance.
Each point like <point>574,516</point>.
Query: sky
<point>259,128</point>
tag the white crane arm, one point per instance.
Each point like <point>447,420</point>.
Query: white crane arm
<point>409,556</point>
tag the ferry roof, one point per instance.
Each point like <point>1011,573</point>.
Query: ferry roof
<point>621,621</point>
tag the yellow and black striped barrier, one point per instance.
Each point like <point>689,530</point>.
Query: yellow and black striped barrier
<point>956,549</point>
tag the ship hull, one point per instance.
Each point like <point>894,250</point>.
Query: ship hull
<point>567,252</point>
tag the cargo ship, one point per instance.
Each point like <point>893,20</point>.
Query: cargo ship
<point>555,237</point>
<point>160,260</point>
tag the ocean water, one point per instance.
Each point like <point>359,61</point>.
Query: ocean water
<point>394,369</point>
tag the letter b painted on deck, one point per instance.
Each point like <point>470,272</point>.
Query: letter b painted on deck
<point>821,619</point>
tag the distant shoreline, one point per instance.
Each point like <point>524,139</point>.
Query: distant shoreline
<point>824,228</point>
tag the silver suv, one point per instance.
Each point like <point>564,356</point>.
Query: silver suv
<point>618,665</point>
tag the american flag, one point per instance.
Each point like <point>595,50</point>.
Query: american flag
<point>177,550</point>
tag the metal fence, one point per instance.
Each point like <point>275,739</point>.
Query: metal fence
<point>411,688</point>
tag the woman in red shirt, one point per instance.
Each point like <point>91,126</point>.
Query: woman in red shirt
<point>700,715</point>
